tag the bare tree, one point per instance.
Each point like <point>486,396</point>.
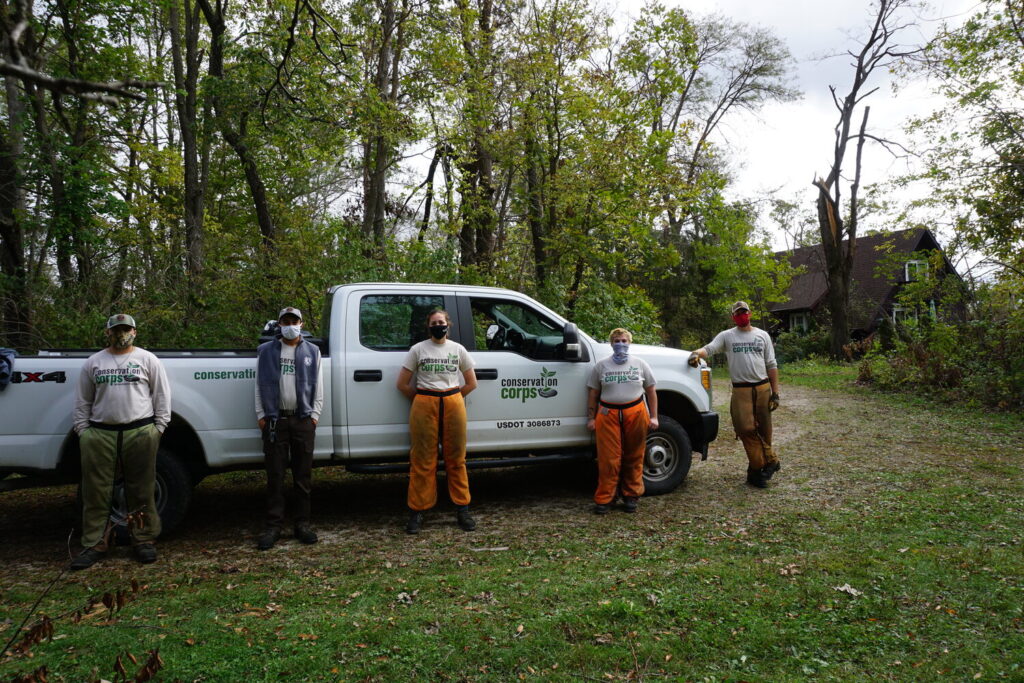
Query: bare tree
<point>880,50</point>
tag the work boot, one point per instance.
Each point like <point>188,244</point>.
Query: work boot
<point>87,558</point>
<point>464,519</point>
<point>757,479</point>
<point>268,538</point>
<point>304,534</point>
<point>414,523</point>
<point>768,470</point>
<point>145,552</point>
<point>629,504</point>
<point>601,508</point>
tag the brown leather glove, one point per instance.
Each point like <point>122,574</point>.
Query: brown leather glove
<point>773,401</point>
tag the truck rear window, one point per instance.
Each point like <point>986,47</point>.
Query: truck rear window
<point>395,322</point>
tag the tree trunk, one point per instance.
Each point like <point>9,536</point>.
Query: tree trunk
<point>15,309</point>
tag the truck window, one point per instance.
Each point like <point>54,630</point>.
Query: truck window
<point>500,325</point>
<point>395,322</point>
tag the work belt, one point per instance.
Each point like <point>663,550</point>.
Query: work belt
<point>741,385</point>
<point>287,413</point>
<point>439,394</point>
<point>124,427</point>
<point>622,406</point>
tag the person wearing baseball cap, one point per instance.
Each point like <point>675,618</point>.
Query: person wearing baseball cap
<point>122,406</point>
<point>755,390</point>
<point>289,400</point>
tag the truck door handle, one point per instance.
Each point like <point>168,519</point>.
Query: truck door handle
<point>489,373</point>
<point>368,375</point>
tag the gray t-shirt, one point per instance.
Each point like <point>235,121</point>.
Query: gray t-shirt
<point>621,383</point>
<point>750,354</point>
<point>436,366</point>
<point>122,388</point>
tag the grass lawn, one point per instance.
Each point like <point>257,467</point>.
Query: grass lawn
<point>888,548</point>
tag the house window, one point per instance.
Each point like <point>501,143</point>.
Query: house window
<point>914,271</point>
<point>901,314</point>
<point>799,322</point>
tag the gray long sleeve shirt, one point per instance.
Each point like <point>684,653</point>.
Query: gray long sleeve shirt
<point>122,388</point>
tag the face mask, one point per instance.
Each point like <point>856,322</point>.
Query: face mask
<point>122,340</point>
<point>438,331</point>
<point>621,352</point>
<point>741,319</point>
<point>290,332</point>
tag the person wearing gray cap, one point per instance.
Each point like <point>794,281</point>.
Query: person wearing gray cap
<point>122,406</point>
<point>289,399</point>
<point>755,390</point>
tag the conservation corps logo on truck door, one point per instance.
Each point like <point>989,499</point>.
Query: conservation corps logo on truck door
<point>526,388</point>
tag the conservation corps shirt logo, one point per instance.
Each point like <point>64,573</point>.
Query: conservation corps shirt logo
<point>129,374</point>
<point>630,374</point>
<point>526,388</point>
<point>449,364</point>
<point>755,347</point>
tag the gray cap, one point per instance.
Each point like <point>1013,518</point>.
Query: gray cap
<point>290,310</point>
<point>120,319</point>
<point>738,305</point>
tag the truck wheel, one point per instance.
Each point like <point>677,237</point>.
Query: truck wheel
<point>668,457</point>
<point>173,496</point>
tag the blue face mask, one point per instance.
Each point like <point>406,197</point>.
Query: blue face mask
<point>621,352</point>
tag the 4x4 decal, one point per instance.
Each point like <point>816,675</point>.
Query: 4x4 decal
<point>19,377</point>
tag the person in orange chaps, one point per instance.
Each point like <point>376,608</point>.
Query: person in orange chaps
<point>437,416</point>
<point>616,412</point>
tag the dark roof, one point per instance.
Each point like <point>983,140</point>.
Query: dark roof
<point>868,292</point>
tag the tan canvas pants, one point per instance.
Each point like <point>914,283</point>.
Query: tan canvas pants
<point>752,421</point>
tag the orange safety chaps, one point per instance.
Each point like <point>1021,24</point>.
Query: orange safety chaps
<point>621,443</point>
<point>437,418</point>
<point>752,421</point>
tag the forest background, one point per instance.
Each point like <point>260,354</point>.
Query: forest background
<point>200,163</point>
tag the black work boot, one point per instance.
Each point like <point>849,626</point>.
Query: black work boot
<point>144,552</point>
<point>415,522</point>
<point>629,504</point>
<point>304,534</point>
<point>268,538</point>
<point>87,558</point>
<point>768,470</point>
<point>464,519</point>
<point>756,478</point>
<point>602,508</point>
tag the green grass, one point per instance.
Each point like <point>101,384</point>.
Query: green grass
<point>714,582</point>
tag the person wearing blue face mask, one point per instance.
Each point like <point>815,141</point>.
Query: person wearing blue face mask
<point>618,416</point>
<point>289,399</point>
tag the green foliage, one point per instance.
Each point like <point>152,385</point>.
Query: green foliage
<point>796,346</point>
<point>604,306</point>
<point>979,362</point>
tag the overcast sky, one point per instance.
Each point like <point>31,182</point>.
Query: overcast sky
<point>788,144</point>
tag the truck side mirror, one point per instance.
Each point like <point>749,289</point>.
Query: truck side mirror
<point>571,339</point>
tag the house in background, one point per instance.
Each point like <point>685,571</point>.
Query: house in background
<point>882,264</point>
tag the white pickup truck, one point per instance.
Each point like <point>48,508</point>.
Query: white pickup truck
<point>529,407</point>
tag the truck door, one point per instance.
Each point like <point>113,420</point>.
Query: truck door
<point>381,329</point>
<point>529,397</point>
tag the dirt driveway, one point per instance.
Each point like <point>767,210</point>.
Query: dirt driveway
<point>836,448</point>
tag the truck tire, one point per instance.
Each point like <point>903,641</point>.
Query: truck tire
<point>667,458</point>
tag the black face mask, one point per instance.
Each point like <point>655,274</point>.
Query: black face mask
<point>438,331</point>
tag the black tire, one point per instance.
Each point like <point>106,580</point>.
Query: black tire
<point>667,458</point>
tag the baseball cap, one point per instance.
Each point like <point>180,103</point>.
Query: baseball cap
<point>290,310</point>
<point>120,319</point>
<point>738,305</point>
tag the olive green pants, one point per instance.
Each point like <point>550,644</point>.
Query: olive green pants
<point>101,461</point>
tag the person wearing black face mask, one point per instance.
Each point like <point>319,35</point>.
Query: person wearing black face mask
<point>437,416</point>
<point>755,390</point>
